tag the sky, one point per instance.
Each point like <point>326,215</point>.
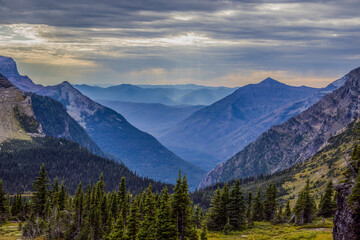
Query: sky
<point>208,42</point>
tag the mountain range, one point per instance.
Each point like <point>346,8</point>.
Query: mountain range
<point>153,118</point>
<point>215,133</point>
<point>110,131</point>
<point>167,95</point>
<point>24,147</point>
<point>298,138</point>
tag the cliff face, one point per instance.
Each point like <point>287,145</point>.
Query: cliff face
<point>344,218</point>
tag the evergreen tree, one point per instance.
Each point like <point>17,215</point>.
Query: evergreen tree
<point>114,205</point>
<point>215,216</point>
<point>305,206</point>
<point>117,232</point>
<point>354,164</point>
<point>258,207</point>
<point>237,207</point>
<point>248,212</point>
<point>122,197</point>
<point>61,198</point>
<point>40,192</point>
<point>288,210</point>
<point>79,206</point>
<point>3,208</point>
<point>203,235</point>
<point>270,202</point>
<point>55,192</point>
<point>181,205</point>
<point>148,226</point>
<point>166,224</point>
<point>227,227</point>
<point>327,206</point>
<point>133,222</point>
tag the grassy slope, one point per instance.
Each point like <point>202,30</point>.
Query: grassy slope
<point>328,163</point>
<point>263,230</point>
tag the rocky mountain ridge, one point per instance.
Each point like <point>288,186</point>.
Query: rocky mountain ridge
<point>297,139</point>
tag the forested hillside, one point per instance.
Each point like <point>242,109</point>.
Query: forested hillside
<point>68,161</point>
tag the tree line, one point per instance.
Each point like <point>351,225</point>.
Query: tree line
<point>230,211</point>
<point>93,213</point>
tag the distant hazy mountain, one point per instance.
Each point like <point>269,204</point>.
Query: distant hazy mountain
<point>111,132</point>
<point>215,133</point>
<point>152,118</point>
<point>167,94</point>
<point>298,138</point>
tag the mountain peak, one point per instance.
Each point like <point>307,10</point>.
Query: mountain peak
<point>8,67</point>
<point>271,81</point>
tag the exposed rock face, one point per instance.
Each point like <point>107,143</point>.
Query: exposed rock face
<point>14,105</point>
<point>297,139</point>
<point>344,219</point>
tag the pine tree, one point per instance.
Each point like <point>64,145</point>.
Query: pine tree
<point>305,206</point>
<point>215,216</point>
<point>237,207</point>
<point>258,207</point>
<point>225,202</point>
<point>55,192</point>
<point>288,210</point>
<point>117,232</point>
<point>181,205</point>
<point>61,198</point>
<point>133,222</point>
<point>227,227</point>
<point>327,206</point>
<point>166,224</point>
<point>79,206</point>
<point>3,208</point>
<point>40,192</point>
<point>248,211</point>
<point>203,235</point>
<point>148,226</point>
<point>270,202</point>
<point>122,197</point>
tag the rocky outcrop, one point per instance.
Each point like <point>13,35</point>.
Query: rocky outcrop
<point>297,139</point>
<point>344,218</point>
<point>16,114</point>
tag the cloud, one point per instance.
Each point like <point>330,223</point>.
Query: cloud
<point>208,40</point>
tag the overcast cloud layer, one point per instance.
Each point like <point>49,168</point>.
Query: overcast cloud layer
<point>228,43</point>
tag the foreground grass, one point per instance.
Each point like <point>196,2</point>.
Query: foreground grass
<point>263,230</point>
<point>10,231</point>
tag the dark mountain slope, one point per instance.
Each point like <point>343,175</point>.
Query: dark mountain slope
<point>71,163</point>
<point>297,139</point>
<point>56,122</point>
